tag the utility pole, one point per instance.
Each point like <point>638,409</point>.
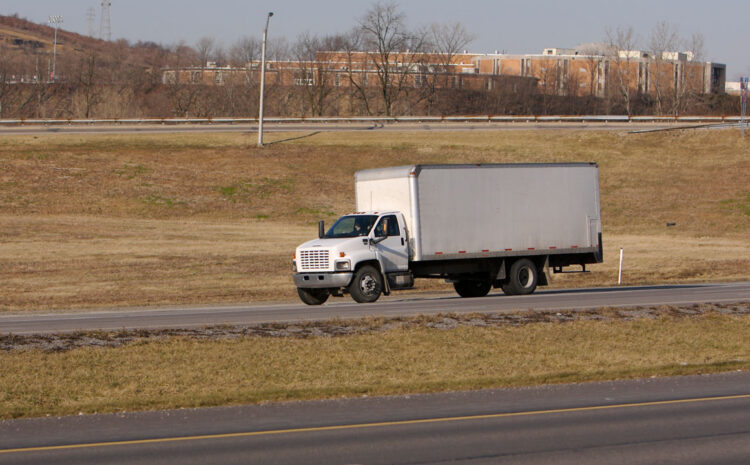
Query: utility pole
<point>91,16</point>
<point>105,26</point>
<point>55,22</point>
<point>743,104</point>
<point>262,80</point>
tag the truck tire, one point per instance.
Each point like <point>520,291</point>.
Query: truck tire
<point>312,296</point>
<point>367,285</point>
<point>523,278</point>
<point>472,288</point>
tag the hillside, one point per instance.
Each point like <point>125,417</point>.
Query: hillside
<point>24,44</point>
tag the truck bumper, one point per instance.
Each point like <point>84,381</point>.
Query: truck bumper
<point>322,280</point>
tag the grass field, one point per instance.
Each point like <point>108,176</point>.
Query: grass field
<point>184,372</point>
<point>100,221</point>
<point>128,220</point>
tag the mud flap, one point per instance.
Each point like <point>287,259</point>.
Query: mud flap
<point>544,273</point>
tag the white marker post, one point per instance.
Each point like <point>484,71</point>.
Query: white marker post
<point>619,276</point>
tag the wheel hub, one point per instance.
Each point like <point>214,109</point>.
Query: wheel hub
<point>367,284</point>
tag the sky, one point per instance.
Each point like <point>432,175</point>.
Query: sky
<point>506,26</point>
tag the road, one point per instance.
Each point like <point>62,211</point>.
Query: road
<point>685,420</point>
<point>312,127</point>
<point>396,305</point>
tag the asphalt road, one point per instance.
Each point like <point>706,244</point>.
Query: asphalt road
<point>323,127</point>
<point>191,317</point>
<point>685,420</point>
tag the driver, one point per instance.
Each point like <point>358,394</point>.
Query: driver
<point>382,230</point>
<point>359,228</point>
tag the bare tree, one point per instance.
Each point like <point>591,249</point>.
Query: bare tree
<point>314,77</point>
<point>279,49</point>
<point>182,92</point>
<point>358,82</point>
<point>445,41</point>
<point>393,50</point>
<point>205,48</point>
<point>622,43</point>
<point>593,62</point>
<point>696,47</point>
<point>244,51</point>
<point>5,85</point>
<point>663,41</point>
<point>89,83</point>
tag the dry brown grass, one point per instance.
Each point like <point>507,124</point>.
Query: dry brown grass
<point>94,221</point>
<point>182,372</point>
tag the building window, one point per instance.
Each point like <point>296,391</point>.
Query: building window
<point>170,77</point>
<point>195,76</point>
<point>525,66</point>
<point>219,78</point>
<point>304,77</point>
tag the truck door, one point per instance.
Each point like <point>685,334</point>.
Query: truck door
<point>393,250</point>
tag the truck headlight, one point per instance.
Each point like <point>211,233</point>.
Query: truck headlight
<point>294,266</point>
<point>343,265</point>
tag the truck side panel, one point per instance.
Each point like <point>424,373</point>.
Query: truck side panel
<point>511,209</point>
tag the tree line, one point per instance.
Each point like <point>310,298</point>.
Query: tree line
<point>122,80</point>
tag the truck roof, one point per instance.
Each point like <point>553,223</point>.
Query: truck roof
<point>376,213</point>
<point>414,170</point>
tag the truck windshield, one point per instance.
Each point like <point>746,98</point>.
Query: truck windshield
<point>351,226</point>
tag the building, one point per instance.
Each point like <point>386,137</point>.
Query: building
<point>597,69</point>
<point>588,70</point>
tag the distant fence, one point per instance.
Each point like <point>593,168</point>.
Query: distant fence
<point>378,119</point>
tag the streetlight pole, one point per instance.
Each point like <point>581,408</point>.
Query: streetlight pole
<point>262,80</point>
<point>56,20</point>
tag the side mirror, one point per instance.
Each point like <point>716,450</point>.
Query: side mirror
<point>377,240</point>
<point>321,229</point>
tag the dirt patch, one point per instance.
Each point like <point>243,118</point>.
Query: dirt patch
<point>336,328</point>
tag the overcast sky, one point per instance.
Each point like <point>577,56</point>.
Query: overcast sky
<point>506,26</point>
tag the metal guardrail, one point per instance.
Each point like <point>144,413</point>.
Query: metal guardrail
<point>382,119</point>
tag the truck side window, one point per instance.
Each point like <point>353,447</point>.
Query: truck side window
<point>393,226</point>
<point>388,226</point>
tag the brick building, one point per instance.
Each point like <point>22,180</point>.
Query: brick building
<point>668,79</point>
<point>597,69</point>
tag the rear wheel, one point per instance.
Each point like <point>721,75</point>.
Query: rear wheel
<point>523,278</point>
<point>472,288</point>
<point>367,285</point>
<point>312,296</point>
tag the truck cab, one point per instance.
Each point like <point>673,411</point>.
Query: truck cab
<point>364,254</point>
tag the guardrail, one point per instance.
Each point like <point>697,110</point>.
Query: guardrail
<point>383,119</point>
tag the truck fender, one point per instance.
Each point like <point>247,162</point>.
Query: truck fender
<point>381,268</point>
<point>378,266</point>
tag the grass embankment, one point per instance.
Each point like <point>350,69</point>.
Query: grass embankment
<point>97,221</point>
<point>183,372</point>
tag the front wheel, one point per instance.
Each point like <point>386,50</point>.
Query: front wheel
<point>366,285</point>
<point>472,288</point>
<point>523,278</point>
<point>312,296</point>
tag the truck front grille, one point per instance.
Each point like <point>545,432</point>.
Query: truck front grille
<point>313,259</point>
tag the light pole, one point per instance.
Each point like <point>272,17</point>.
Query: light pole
<point>56,21</point>
<point>262,80</point>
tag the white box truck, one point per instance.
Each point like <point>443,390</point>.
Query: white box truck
<point>476,226</point>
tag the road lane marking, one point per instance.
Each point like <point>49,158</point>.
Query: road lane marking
<point>369,425</point>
